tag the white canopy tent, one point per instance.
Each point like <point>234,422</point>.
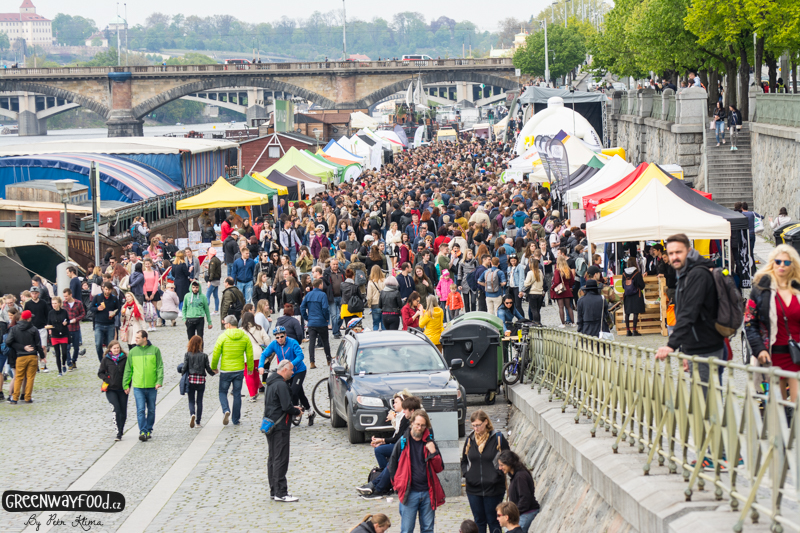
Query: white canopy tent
<point>524,164</point>
<point>338,151</point>
<point>655,214</point>
<point>360,120</point>
<point>312,189</point>
<point>577,153</point>
<point>614,170</point>
<point>555,118</point>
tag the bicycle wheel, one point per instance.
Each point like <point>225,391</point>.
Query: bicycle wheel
<point>511,372</point>
<point>320,398</point>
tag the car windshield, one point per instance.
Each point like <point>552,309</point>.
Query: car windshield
<point>391,359</point>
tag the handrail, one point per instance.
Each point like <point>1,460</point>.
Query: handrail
<point>781,109</point>
<point>666,413</point>
<point>304,67</point>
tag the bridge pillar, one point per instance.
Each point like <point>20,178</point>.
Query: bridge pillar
<point>121,121</point>
<point>464,91</point>
<point>29,124</point>
<point>256,106</point>
<point>345,85</point>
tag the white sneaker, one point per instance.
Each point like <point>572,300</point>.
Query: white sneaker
<point>45,370</point>
<point>562,326</point>
<point>288,498</point>
<point>226,418</point>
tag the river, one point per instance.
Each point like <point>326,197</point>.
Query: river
<point>95,133</point>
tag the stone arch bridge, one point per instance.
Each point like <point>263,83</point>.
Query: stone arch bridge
<point>123,95</point>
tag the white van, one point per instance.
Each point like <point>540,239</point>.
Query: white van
<point>416,57</point>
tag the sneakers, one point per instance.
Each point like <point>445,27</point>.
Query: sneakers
<point>12,402</point>
<point>562,326</point>
<point>191,421</point>
<point>636,333</point>
<point>198,425</point>
<point>63,370</point>
<point>118,438</point>
<point>288,498</point>
<point>311,416</point>
<point>227,418</point>
<point>717,144</point>
<point>143,436</point>
<point>365,490</point>
<point>214,313</point>
<point>45,370</point>
<point>2,397</point>
<point>82,352</point>
<point>312,366</point>
<point>60,375</point>
<point>253,399</point>
<point>149,435</point>
<point>72,367</point>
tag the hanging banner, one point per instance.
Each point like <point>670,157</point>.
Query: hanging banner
<point>541,147</point>
<point>743,262</point>
<point>559,165</point>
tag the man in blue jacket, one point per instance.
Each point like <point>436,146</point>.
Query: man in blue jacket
<point>285,348</point>
<point>242,273</point>
<point>315,312</point>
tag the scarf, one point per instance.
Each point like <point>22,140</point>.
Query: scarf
<point>136,313</point>
<point>481,440</point>
<point>114,358</point>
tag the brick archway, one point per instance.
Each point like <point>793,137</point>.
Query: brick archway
<point>49,90</point>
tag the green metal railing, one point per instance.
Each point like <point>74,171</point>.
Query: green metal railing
<point>667,414</point>
<point>671,109</point>
<point>633,104</point>
<point>778,109</point>
<point>658,107</point>
<point>623,106</point>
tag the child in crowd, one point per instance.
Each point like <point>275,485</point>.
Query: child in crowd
<point>443,290</point>
<point>455,303</point>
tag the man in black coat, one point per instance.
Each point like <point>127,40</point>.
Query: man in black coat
<point>592,310</point>
<point>278,408</point>
<point>230,249</point>
<point>696,304</point>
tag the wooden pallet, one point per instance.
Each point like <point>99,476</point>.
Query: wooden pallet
<point>651,322</point>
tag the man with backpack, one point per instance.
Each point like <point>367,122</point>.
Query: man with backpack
<point>232,301</point>
<point>485,264</point>
<point>493,280</point>
<point>698,306</point>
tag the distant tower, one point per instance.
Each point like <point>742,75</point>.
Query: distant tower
<point>27,7</point>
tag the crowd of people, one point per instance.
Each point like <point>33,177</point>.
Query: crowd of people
<point>427,238</point>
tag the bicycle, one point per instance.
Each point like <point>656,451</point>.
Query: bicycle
<point>320,398</point>
<point>514,370</point>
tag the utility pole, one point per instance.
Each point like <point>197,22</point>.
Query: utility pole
<point>344,29</point>
<point>565,13</point>
<point>126,33</point>
<point>119,55</point>
<point>546,53</point>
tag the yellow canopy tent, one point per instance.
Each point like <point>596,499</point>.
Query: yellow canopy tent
<point>282,190</point>
<point>651,172</point>
<point>222,194</point>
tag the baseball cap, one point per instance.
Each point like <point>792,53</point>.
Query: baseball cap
<point>593,270</point>
<point>34,289</point>
<point>26,315</point>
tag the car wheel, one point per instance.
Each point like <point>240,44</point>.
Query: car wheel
<point>356,437</point>
<point>336,420</point>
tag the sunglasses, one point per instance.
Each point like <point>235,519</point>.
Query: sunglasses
<point>784,262</point>
<point>280,336</point>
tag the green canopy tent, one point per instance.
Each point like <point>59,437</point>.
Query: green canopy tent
<point>249,183</point>
<point>294,157</point>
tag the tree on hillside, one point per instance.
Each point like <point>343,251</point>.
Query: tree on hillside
<point>566,47</point>
<point>5,44</point>
<point>72,31</point>
<point>192,58</point>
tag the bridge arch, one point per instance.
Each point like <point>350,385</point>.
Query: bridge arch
<point>49,90</point>
<point>437,77</point>
<point>157,101</point>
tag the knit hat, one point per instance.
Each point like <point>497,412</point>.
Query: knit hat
<point>26,315</point>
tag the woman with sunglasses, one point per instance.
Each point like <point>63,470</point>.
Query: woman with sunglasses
<point>772,316</point>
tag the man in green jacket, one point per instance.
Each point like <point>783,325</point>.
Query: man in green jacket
<point>232,353</point>
<point>195,310</point>
<point>144,370</point>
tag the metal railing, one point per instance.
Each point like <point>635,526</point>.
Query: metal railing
<point>623,105</point>
<point>666,413</point>
<point>633,104</point>
<point>778,109</point>
<point>152,209</point>
<point>282,68</point>
<point>658,107</point>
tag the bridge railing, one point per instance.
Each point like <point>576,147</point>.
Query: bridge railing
<point>778,109</point>
<point>672,416</point>
<point>275,67</point>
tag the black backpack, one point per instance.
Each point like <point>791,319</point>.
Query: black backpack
<point>236,307</point>
<point>730,309</point>
<point>355,304</point>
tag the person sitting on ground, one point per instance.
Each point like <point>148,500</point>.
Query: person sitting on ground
<point>377,523</point>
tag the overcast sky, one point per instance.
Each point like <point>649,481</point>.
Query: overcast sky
<point>485,15</point>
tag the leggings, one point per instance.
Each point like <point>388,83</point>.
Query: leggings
<point>391,322</point>
<point>470,301</point>
<point>62,355</point>
<point>119,400</point>
<point>635,320</point>
<point>196,393</point>
<point>535,302</point>
<point>565,302</point>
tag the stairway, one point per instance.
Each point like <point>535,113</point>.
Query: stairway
<point>730,177</point>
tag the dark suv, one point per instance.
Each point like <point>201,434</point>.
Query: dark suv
<point>370,367</point>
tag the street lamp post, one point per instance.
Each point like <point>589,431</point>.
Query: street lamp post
<point>546,55</point>
<point>344,29</point>
<point>64,188</point>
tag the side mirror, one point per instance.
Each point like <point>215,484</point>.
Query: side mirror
<point>455,364</point>
<point>339,370</point>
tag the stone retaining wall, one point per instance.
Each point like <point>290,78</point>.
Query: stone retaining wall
<point>776,177</point>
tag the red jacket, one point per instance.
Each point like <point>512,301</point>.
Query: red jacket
<point>406,313</point>
<point>400,468</point>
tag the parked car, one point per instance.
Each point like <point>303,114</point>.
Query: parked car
<point>370,367</point>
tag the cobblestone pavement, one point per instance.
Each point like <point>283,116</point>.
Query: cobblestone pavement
<point>197,480</point>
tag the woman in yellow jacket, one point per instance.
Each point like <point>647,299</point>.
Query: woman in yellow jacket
<point>432,321</point>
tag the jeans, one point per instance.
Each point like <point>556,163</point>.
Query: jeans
<point>195,326</point>
<point>525,520</point>
<point>226,379</point>
<point>484,512</point>
<point>196,393</point>
<point>383,483</point>
<point>213,291</point>
<point>704,370</point>
<point>247,289</point>
<point>719,129</point>
<point>335,311</point>
<point>377,318</point>
<point>293,254</point>
<point>75,341</point>
<point>119,401</point>
<point>103,334</point>
<point>382,454</point>
<point>315,333</point>
<point>145,400</point>
<point>417,502</point>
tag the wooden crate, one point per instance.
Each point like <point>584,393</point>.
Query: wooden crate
<point>651,322</point>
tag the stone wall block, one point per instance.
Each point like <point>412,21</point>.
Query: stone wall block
<point>688,149</point>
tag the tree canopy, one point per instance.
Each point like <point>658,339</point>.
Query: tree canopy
<point>566,47</point>
<point>72,31</point>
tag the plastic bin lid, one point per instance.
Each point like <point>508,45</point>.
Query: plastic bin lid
<point>482,317</point>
